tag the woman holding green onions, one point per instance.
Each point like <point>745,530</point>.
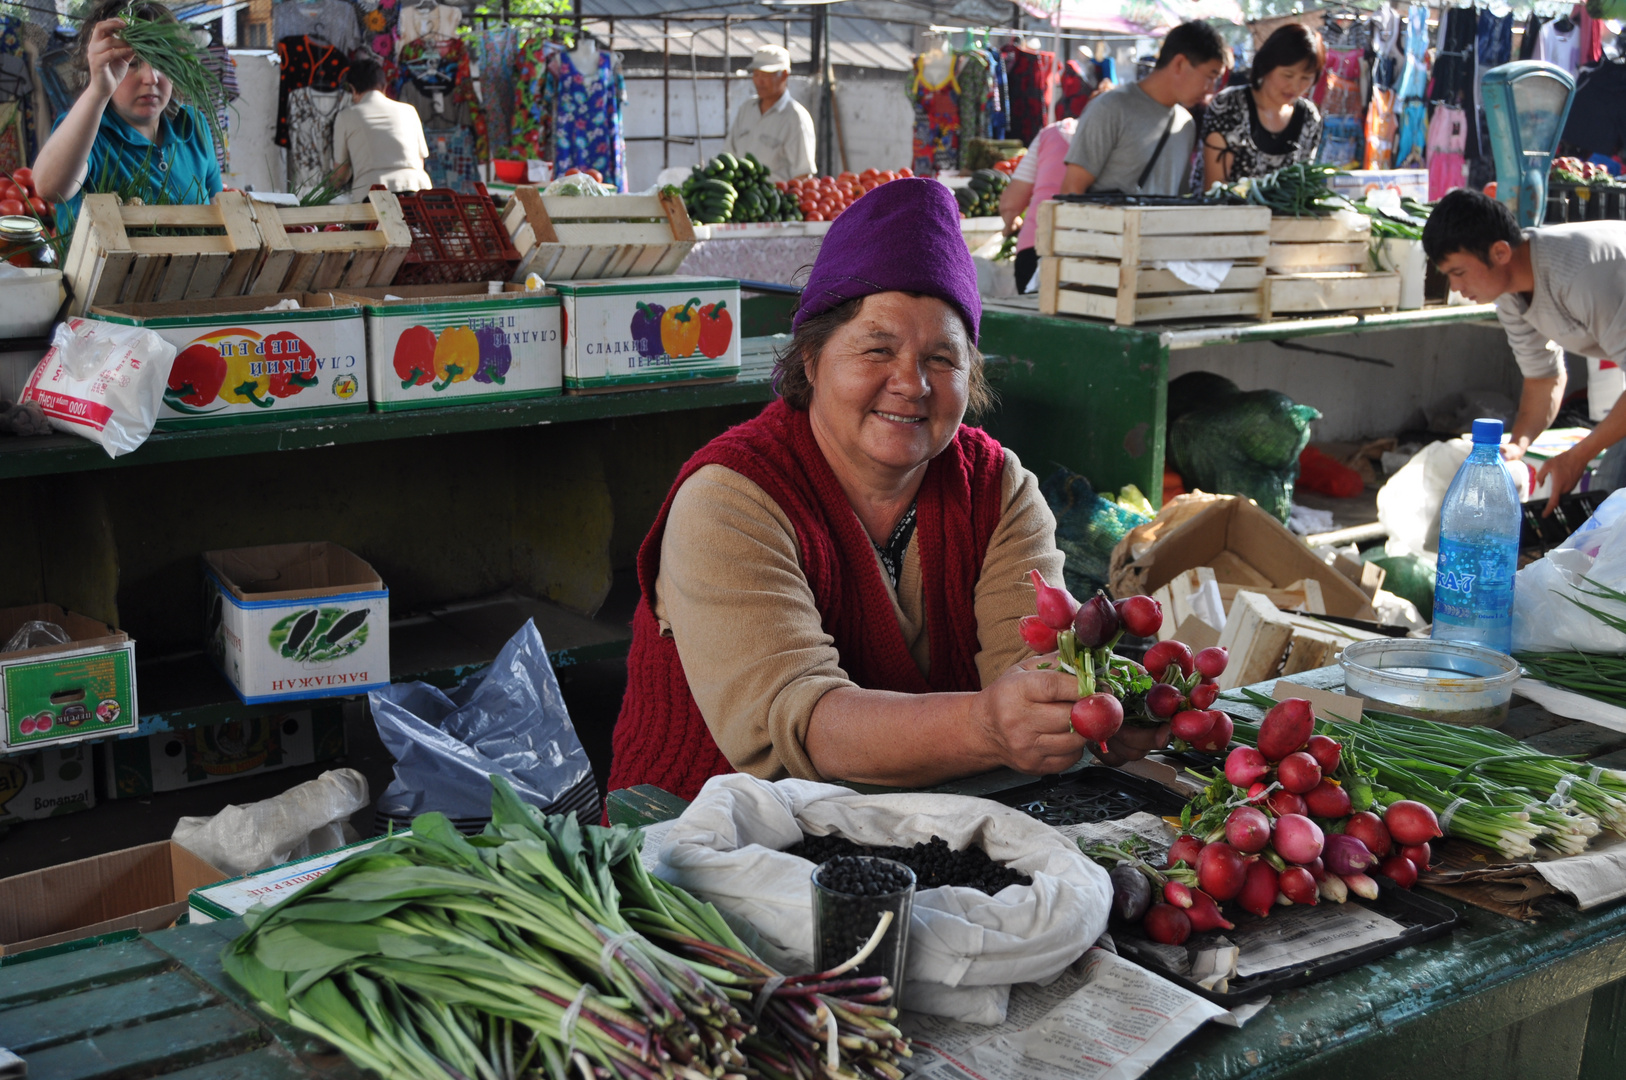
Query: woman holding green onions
<point>125,134</point>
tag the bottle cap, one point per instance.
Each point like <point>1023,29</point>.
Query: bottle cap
<point>1487,432</point>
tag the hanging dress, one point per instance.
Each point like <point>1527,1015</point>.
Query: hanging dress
<point>1447,140</point>
<point>937,122</point>
<point>587,132</point>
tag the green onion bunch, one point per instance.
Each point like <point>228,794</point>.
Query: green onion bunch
<point>1486,786</point>
<point>169,47</point>
<point>542,948</point>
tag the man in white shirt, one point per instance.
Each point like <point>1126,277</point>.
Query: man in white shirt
<point>773,126</point>
<point>1557,288</point>
<point>376,140</point>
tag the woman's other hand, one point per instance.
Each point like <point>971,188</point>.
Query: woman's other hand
<point>1025,716</point>
<point>1134,743</point>
<point>108,57</point>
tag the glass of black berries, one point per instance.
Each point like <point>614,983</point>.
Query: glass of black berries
<point>850,896</point>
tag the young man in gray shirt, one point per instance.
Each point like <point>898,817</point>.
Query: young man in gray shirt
<point>1122,130</point>
<point>1555,289</point>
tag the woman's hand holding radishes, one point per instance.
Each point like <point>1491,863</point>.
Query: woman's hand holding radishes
<point>1173,686</point>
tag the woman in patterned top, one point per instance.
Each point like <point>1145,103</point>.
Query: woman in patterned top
<point>1268,124</point>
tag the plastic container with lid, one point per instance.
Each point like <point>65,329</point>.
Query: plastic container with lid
<point>1447,681</point>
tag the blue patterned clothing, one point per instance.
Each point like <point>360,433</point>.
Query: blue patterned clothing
<point>587,132</point>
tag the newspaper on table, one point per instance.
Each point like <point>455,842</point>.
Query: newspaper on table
<point>1105,1018</point>
<point>1596,876</point>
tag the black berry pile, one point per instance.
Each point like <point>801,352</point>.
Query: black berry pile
<point>863,877</point>
<point>933,863</point>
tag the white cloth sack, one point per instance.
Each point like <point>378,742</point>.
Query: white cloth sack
<point>1543,620</point>
<point>307,819</point>
<point>103,381</point>
<point>965,948</point>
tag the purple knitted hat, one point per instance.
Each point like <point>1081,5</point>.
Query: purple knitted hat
<point>903,236</point>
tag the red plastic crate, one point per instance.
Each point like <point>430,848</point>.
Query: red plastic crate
<point>455,238</point>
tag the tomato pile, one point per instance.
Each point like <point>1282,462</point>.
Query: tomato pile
<point>17,196</point>
<point>1289,822</point>
<point>823,198</point>
<point>1572,170</point>
<point>1113,687</point>
<point>593,173</point>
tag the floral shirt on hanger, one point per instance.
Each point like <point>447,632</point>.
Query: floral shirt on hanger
<point>937,122</point>
<point>497,50</point>
<point>444,66</point>
<point>305,62</point>
<point>531,127</point>
<point>587,119</point>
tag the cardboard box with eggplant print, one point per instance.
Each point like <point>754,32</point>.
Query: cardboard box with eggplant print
<point>294,621</point>
<point>629,332</point>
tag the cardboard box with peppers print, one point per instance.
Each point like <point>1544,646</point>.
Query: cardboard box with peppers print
<point>292,621</point>
<point>433,345</point>
<point>243,359</point>
<point>630,332</point>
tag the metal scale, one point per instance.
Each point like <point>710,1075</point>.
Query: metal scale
<point>1526,104</point>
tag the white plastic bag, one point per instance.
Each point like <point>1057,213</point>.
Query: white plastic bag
<point>103,381</point>
<point>1409,504</point>
<point>965,948</point>
<point>1543,620</point>
<point>307,819</point>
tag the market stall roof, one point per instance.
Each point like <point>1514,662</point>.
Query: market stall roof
<point>1144,16</point>
<point>863,33</point>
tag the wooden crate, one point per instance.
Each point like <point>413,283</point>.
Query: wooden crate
<point>107,265</point>
<point>577,238</point>
<point>1339,290</point>
<point>1317,244</point>
<point>1100,261</point>
<point>315,261</point>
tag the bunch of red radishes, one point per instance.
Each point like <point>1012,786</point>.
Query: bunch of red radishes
<point>1185,692</point>
<point>1083,637</point>
<point>1281,829</point>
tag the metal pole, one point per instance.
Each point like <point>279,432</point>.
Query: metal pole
<point>728,117</point>
<point>666,93</point>
<point>826,135</point>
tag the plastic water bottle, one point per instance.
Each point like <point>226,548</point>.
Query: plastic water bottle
<point>1479,548</point>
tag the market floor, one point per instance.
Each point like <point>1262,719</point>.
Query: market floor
<point>592,692</point>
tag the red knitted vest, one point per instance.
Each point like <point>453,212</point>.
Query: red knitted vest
<point>661,738</point>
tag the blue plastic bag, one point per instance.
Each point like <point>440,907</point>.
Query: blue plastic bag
<point>509,720</point>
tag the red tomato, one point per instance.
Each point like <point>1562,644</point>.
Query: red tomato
<point>12,191</point>
<point>812,215</point>
<point>596,175</point>
<point>24,178</point>
<point>12,206</point>
<point>906,171</point>
<point>37,204</point>
<point>888,176</point>
<point>847,176</point>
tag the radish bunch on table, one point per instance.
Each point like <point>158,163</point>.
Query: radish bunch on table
<point>1173,686</point>
<point>1279,827</point>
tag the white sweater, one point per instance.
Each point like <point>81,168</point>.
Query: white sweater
<point>1579,303</point>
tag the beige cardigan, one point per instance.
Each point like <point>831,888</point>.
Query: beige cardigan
<point>732,594</point>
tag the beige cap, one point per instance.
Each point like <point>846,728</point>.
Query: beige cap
<point>770,58</point>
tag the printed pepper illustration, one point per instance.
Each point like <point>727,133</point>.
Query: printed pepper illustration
<point>646,329</point>
<point>716,330</point>
<point>680,329</point>
<point>246,376</point>
<point>415,356</point>
<point>495,356</point>
<point>319,635</point>
<point>292,364</point>
<point>196,377</point>
<point>457,357</point>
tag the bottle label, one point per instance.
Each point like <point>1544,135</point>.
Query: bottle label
<point>1473,584</point>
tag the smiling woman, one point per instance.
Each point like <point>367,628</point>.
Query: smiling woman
<point>832,590</point>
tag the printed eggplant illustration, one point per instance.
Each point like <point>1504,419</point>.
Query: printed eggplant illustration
<point>319,635</point>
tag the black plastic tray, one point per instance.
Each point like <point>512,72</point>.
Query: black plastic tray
<point>1094,793</point>
<point>1423,919</point>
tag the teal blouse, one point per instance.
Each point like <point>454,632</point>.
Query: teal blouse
<point>181,168</point>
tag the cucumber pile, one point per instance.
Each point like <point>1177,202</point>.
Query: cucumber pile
<point>980,198</point>
<point>734,189</point>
